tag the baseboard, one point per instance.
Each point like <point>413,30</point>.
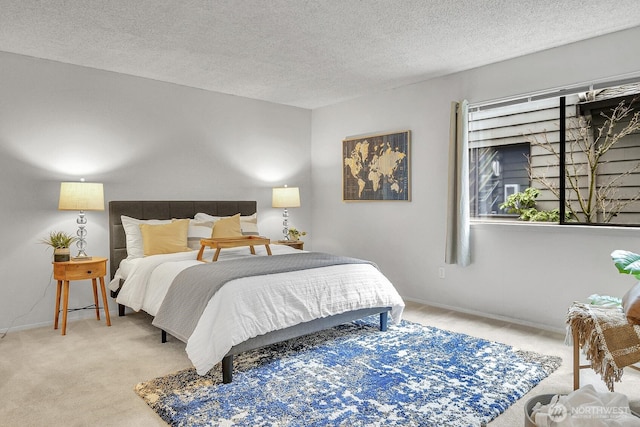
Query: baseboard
<point>79,314</point>
<point>487,315</point>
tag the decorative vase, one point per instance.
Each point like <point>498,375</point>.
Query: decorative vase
<point>61,254</point>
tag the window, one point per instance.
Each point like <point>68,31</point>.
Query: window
<point>573,158</point>
<point>497,172</point>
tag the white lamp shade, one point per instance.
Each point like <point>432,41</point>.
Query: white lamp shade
<point>81,196</point>
<point>285,197</point>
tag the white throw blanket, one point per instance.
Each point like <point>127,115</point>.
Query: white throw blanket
<point>586,407</point>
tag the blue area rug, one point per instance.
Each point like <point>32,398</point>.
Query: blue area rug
<point>355,375</point>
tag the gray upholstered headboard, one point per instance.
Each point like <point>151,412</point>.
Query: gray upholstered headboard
<point>151,209</point>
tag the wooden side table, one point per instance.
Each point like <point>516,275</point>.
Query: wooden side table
<point>64,272</point>
<point>295,244</point>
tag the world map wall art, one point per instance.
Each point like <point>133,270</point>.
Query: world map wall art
<point>376,167</point>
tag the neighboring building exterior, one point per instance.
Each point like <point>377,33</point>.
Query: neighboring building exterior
<point>510,144</point>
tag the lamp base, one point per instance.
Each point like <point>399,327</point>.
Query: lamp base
<point>285,224</point>
<point>81,258</point>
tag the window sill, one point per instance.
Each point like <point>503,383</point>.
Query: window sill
<point>553,227</point>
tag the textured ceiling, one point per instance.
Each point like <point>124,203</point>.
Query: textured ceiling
<point>305,53</point>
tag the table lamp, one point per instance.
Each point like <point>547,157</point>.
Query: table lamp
<point>285,197</point>
<point>81,196</point>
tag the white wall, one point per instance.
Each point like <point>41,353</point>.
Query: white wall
<point>144,140</point>
<point>526,273</point>
<point>150,140</point>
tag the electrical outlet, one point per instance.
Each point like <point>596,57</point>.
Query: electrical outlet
<point>441,272</point>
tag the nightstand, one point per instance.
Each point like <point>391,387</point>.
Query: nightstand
<point>64,272</point>
<point>295,244</point>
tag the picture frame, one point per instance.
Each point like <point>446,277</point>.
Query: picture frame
<point>376,167</point>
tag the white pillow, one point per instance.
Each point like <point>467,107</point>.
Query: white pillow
<point>135,247</point>
<point>198,230</point>
<point>248,224</point>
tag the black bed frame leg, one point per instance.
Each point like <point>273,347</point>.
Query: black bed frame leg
<point>384,318</point>
<point>120,310</point>
<point>227,369</point>
<point>164,336</point>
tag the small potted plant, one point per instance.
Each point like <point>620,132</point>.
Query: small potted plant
<point>60,242</point>
<point>295,235</point>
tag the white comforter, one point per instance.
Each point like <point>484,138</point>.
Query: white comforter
<point>252,306</point>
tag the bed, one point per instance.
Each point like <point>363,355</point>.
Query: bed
<point>236,318</point>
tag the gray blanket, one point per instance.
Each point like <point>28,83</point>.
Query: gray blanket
<point>193,287</point>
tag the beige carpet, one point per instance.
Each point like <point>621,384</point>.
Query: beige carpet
<point>86,378</point>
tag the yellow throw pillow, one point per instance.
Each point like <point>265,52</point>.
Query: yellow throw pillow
<point>165,238</point>
<point>227,227</point>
